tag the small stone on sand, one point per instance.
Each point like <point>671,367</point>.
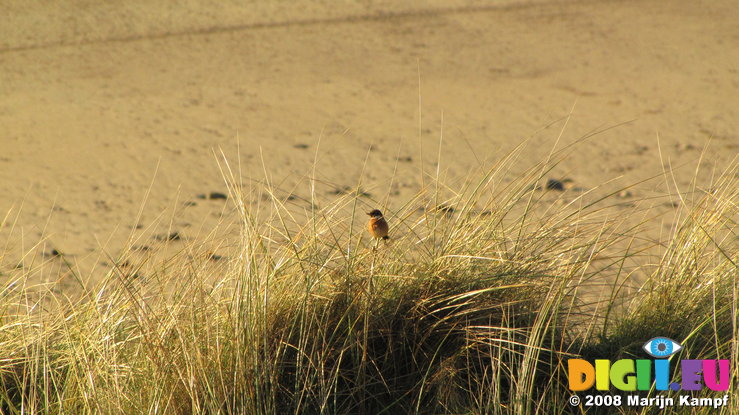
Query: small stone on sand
<point>172,236</point>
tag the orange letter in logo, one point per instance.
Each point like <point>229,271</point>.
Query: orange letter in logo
<point>581,374</point>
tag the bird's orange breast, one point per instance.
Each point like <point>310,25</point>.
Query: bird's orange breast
<point>377,227</point>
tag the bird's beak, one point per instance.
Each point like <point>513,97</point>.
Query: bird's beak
<point>369,214</point>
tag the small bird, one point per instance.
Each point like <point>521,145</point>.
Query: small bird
<point>377,226</point>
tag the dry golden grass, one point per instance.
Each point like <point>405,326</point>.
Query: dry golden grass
<point>469,310</point>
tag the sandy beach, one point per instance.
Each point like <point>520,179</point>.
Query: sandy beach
<point>114,116</point>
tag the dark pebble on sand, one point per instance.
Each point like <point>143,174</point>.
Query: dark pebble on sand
<point>214,257</point>
<point>345,190</point>
<point>444,208</point>
<point>55,252</point>
<point>213,196</point>
<point>217,195</point>
<point>301,146</point>
<point>172,236</point>
<point>341,190</point>
<point>554,184</point>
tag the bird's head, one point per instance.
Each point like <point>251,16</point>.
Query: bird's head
<point>375,213</point>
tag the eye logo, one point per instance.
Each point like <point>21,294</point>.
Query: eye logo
<point>661,347</point>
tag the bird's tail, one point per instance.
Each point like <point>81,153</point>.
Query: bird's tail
<point>385,237</point>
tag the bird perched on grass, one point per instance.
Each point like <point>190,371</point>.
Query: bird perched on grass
<point>377,226</point>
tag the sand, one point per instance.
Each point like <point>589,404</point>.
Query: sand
<point>114,115</point>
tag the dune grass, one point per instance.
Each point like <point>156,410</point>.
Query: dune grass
<point>472,308</point>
